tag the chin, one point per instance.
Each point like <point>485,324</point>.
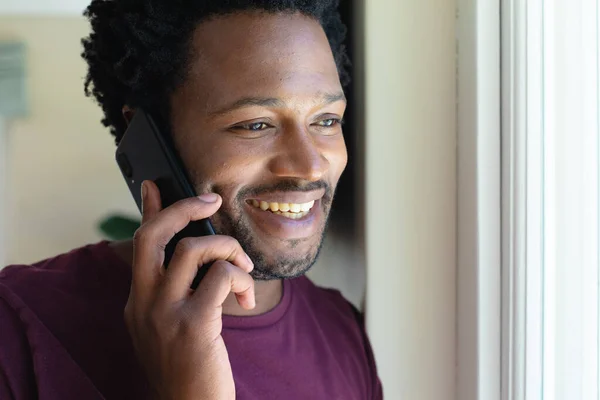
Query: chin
<point>294,259</point>
<point>278,247</point>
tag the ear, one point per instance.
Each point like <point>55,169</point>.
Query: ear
<point>128,114</point>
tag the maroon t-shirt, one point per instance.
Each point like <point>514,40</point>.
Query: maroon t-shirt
<point>62,337</point>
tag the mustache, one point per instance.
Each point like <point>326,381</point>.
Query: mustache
<point>287,186</point>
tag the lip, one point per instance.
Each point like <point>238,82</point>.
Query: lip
<point>286,228</point>
<point>290,197</point>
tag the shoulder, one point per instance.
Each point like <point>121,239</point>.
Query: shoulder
<point>78,273</point>
<point>331,308</point>
<point>61,321</point>
<point>75,262</point>
<point>325,299</point>
<point>62,292</point>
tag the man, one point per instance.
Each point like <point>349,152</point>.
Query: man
<point>252,95</point>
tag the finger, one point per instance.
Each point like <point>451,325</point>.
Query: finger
<point>144,271</point>
<point>221,279</point>
<point>151,202</point>
<point>193,252</point>
<point>152,237</point>
<point>162,227</point>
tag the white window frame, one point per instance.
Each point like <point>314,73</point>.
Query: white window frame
<point>550,318</point>
<point>479,215</point>
<point>515,218</point>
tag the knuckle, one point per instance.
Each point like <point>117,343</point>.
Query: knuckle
<point>151,236</point>
<point>128,316</point>
<point>139,236</point>
<point>229,244</point>
<point>220,270</point>
<point>128,311</point>
<point>143,236</point>
<point>185,245</point>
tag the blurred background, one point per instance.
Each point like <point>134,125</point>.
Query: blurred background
<point>391,249</point>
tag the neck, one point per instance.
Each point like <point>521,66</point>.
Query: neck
<point>268,293</point>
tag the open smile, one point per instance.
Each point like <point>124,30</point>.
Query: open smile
<point>287,210</point>
<point>287,215</point>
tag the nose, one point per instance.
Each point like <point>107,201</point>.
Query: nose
<point>299,156</point>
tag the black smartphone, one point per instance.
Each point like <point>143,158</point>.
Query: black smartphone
<point>145,153</point>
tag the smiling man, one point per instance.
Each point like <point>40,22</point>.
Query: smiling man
<point>253,100</point>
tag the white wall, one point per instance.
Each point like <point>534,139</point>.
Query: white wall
<point>61,175</point>
<point>43,7</point>
<point>411,195</point>
<point>3,174</point>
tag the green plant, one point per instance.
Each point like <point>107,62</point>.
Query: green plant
<point>118,227</point>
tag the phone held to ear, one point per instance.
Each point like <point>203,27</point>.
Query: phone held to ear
<point>144,153</point>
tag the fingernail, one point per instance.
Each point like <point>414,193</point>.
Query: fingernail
<point>144,190</point>
<point>209,197</point>
<point>249,260</point>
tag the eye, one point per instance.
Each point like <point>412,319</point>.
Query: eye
<point>253,129</point>
<point>329,122</point>
<point>254,126</point>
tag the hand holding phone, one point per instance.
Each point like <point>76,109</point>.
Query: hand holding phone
<point>176,332</point>
<point>146,153</point>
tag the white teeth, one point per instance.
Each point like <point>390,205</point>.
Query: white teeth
<point>289,210</point>
<point>307,206</point>
<point>292,215</point>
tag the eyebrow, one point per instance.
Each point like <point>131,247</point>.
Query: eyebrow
<point>326,98</point>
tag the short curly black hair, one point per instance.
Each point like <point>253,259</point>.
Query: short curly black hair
<point>138,51</point>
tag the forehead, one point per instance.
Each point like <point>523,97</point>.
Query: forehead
<point>255,54</point>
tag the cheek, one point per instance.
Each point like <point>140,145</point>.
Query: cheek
<point>337,155</point>
<point>221,166</point>
<point>225,165</point>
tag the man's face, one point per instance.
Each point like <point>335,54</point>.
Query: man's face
<point>257,121</point>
